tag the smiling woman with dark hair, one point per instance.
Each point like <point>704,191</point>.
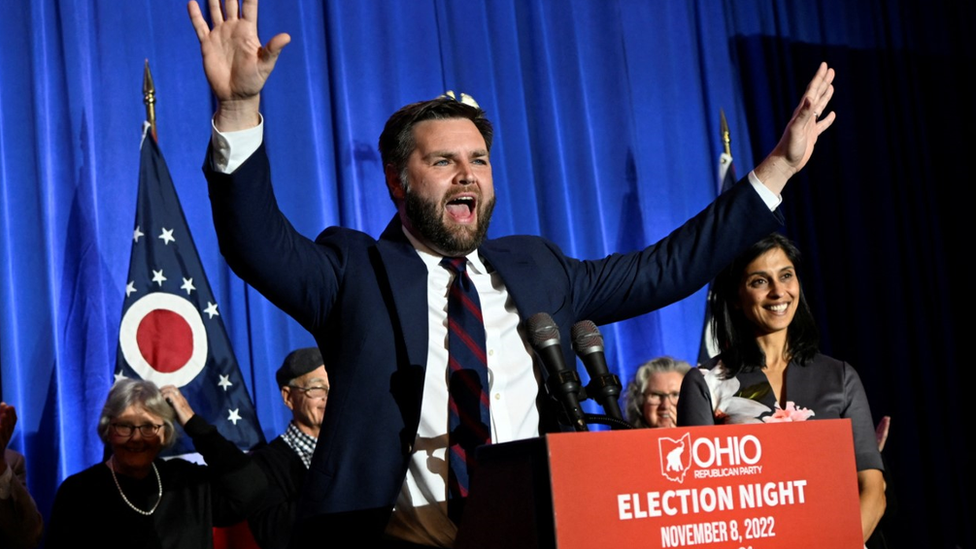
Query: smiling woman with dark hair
<point>135,499</point>
<point>770,370</point>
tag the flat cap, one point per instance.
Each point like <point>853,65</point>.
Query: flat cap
<point>298,363</point>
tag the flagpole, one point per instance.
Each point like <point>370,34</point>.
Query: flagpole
<point>149,98</point>
<point>726,178</point>
<point>723,127</point>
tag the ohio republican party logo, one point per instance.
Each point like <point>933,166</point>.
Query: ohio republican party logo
<point>711,457</point>
<point>163,339</point>
<point>675,457</point>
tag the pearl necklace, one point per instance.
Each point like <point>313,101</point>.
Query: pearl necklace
<point>159,498</point>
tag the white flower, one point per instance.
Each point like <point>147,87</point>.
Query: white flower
<point>726,407</point>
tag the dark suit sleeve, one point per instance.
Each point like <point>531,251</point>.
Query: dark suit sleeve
<point>263,248</point>
<point>274,521</point>
<point>695,403</point>
<point>622,286</point>
<point>20,522</point>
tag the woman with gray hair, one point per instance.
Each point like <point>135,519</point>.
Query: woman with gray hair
<point>653,393</point>
<point>135,499</point>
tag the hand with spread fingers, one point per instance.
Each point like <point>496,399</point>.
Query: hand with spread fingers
<point>236,64</point>
<point>796,145</point>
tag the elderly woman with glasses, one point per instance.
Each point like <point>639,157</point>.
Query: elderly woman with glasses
<point>653,393</point>
<point>134,499</point>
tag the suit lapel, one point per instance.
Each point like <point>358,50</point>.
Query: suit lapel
<point>524,279</point>
<point>408,286</point>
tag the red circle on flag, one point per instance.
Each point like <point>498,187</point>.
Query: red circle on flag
<point>165,340</point>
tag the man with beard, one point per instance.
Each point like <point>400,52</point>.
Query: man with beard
<point>378,308</point>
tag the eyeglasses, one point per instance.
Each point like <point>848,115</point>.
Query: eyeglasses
<point>656,398</point>
<point>126,429</point>
<point>312,392</point>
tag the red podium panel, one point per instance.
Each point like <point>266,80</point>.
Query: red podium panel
<point>755,486</point>
<point>732,486</point>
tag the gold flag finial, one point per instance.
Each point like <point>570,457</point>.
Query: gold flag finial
<point>149,98</point>
<point>726,137</point>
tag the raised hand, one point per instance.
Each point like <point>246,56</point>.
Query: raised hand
<point>796,146</point>
<point>236,64</point>
<point>8,419</point>
<point>175,399</point>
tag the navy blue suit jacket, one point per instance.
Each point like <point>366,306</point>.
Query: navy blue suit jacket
<point>365,302</point>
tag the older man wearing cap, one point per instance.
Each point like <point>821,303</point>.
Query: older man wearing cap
<point>305,389</point>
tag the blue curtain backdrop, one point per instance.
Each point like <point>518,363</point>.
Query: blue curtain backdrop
<point>606,116</point>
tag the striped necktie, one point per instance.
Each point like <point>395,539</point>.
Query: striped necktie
<point>469,421</point>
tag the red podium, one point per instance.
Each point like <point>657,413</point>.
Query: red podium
<point>733,486</point>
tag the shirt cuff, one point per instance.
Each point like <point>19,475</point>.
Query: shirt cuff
<point>231,149</point>
<point>771,199</point>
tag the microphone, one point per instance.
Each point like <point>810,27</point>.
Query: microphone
<point>604,387</point>
<point>563,382</point>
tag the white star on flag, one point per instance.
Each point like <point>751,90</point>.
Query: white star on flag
<point>234,416</point>
<point>224,382</point>
<point>211,310</point>
<point>158,277</point>
<point>119,375</point>
<point>188,285</point>
<point>167,236</point>
<point>130,288</point>
<point>136,234</point>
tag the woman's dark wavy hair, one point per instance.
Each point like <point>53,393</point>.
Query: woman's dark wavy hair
<point>736,334</point>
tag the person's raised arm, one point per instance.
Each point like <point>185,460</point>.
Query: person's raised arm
<point>238,482</point>
<point>236,64</point>
<point>8,418</point>
<point>796,146</point>
<point>21,525</point>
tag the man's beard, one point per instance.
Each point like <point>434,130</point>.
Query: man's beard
<point>427,219</point>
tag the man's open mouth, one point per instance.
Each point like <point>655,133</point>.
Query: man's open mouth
<point>462,208</point>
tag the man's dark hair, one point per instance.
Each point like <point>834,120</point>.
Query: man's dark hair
<point>397,140</point>
<point>736,334</point>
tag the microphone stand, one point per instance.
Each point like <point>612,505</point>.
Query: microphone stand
<point>612,422</point>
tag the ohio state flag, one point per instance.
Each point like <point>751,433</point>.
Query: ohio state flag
<point>171,331</point>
